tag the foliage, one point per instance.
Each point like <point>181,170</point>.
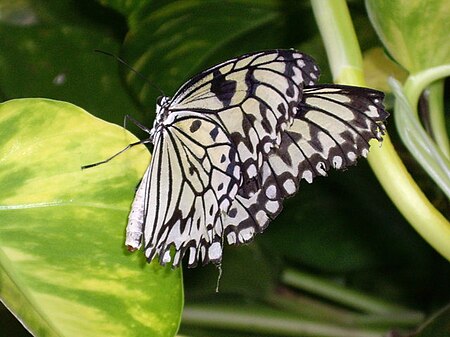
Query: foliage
<point>341,260</point>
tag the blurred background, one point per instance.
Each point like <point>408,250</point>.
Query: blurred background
<point>341,229</point>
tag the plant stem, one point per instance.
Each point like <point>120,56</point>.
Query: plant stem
<point>345,59</point>
<point>437,117</point>
<point>243,319</point>
<point>317,309</point>
<point>415,85</point>
<point>418,142</point>
<point>332,291</point>
<point>335,25</point>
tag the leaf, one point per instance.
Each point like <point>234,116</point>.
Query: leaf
<point>134,10</point>
<point>415,32</point>
<point>31,66</point>
<point>64,270</point>
<point>180,38</point>
<point>378,68</point>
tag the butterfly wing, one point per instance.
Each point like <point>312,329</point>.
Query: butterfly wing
<point>332,128</point>
<point>191,182</point>
<point>234,142</point>
<point>254,98</point>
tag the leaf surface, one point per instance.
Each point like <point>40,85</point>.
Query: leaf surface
<point>64,270</point>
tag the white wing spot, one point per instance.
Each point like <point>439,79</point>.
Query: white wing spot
<point>167,258</point>
<point>231,237</point>
<point>252,170</point>
<point>215,251</point>
<point>351,155</point>
<point>246,234</point>
<point>372,112</point>
<point>320,167</point>
<point>272,206</point>
<point>261,217</point>
<point>237,172</point>
<point>337,162</point>
<point>271,192</point>
<point>289,186</point>
<point>307,175</point>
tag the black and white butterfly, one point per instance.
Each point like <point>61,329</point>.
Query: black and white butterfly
<point>233,142</point>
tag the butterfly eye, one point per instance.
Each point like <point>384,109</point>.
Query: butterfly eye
<point>160,101</point>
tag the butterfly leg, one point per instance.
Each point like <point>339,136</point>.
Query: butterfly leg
<point>135,122</point>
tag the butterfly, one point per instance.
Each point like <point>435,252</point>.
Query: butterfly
<point>233,142</point>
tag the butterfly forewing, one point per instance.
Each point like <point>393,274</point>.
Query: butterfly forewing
<point>254,98</point>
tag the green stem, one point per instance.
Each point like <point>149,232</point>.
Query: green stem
<point>345,59</point>
<point>414,86</point>
<point>332,291</point>
<point>336,27</point>
<point>418,141</point>
<point>437,117</point>
<point>316,309</point>
<point>243,319</point>
<point>418,82</point>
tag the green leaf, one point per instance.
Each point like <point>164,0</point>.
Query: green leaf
<point>133,10</point>
<point>378,68</point>
<point>31,65</point>
<point>415,32</point>
<point>64,270</point>
<point>180,38</point>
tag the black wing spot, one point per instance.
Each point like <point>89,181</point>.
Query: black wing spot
<point>214,132</point>
<point>195,125</point>
<point>232,213</point>
<point>221,87</point>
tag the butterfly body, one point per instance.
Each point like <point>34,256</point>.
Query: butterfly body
<point>233,142</point>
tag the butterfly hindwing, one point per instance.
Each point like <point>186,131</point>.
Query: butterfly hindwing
<point>191,182</point>
<point>332,128</point>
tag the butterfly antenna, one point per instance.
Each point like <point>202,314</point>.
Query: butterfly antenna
<point>129,146</point>
<point>120,60</point>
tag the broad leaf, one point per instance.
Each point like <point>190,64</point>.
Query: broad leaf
<point>64,270</point>
<point>180,38</point>
<point>415,32</point>
<point>31,65</point>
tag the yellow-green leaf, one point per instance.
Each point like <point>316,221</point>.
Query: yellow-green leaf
<point>64,270</point>
<point>415,32</point>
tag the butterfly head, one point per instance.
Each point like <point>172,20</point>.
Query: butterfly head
<point>162,110</point>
